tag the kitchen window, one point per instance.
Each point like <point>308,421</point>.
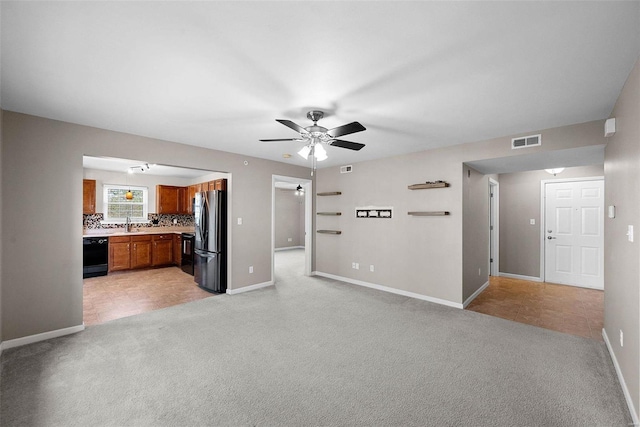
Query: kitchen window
<point>117,208</point>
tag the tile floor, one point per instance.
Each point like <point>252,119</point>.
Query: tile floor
<point>133,292</point>
<point>576,311</point>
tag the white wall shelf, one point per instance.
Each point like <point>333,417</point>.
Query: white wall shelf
<point>428,186</point>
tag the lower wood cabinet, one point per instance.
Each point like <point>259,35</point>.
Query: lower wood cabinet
<point>143,251</point>
<point>119,253</point>
<point>177,250</point>
<point>162,253</point>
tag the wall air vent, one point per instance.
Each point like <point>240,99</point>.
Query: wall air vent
<point>526,141</point>
<point>346,169</point>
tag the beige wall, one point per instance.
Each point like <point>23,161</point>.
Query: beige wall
<point>423,255</point>
<point>622,258</point>
<point>42,256</point>
<point>287,219</point>
<point>475,231</point>
<point>519,203</point>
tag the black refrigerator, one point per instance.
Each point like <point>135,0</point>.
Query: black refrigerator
<point>210,269</point>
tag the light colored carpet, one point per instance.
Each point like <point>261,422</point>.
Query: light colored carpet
<point>311,351</point>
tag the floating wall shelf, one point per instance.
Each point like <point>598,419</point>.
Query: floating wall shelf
<point>330,193</point>
<point>329,232</point>
<point>329,213</point>
<point>433,213</point>
<point>428,186</point>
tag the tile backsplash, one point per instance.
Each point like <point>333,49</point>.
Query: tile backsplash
<point>92,221</point>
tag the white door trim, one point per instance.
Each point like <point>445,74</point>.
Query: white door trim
<point>494,268</point>
<point>308,247</point>
<point>543,218</point>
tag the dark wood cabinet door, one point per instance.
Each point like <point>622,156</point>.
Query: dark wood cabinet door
<point>177,250</point>
<point>141,251</point>
<point>119,253</point>
<point>191,194</point>
<point>162,250</point>
<point>167,199</point>
<point>88,196</point>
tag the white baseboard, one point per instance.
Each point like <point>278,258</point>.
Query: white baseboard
<point>388,289</point>
<point>623,384</point>
<point>41,337</point>
<point>249,288</point>
<point>475,294</point>
<point>520,276</point>
<point>288,248</point>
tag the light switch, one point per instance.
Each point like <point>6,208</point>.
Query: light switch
<point>532,221</point>
<point>630,233</point>
<point>612,211</point>
<point>239,221</point>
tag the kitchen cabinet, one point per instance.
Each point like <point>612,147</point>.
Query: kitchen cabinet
<point>218,184</point>
<point>177,249</point>
<point>172,200</point>
<point>167,200</point>
<point>88,196</point>
<point>119,253</point>
<point>191,194</point>
<point>162,251</point>
<point>141,251</point>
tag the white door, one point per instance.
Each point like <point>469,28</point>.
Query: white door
<point>574,240</point>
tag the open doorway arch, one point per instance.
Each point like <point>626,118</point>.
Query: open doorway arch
<point>306,185</point>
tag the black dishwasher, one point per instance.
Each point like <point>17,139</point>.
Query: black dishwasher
<point>95,256</point>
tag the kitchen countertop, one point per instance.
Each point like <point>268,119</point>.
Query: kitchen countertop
<point>106,232</point>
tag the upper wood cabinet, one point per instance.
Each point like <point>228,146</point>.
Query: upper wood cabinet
<point>191,194</point>
<point>172,200</point>
<point>167,199</point>
<point>88,196</point>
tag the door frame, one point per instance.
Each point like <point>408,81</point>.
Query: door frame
<point>543,215</point>
<point>494,235</point>
<point>307,185</point>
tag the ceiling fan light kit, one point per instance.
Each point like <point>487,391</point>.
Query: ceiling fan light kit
<point>314,136</point>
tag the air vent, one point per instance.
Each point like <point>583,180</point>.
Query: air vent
<point>346,169</point>
<point>526,141</point>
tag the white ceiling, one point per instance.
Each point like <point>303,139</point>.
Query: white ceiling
<point>418,75</point>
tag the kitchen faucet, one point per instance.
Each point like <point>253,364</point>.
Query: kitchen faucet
<point>127,227</point>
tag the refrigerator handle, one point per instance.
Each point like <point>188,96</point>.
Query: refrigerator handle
<point>205,218</point>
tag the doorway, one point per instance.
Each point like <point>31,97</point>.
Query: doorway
<point>572,238</point>
<point>295,253</point>
<point>494,221</point>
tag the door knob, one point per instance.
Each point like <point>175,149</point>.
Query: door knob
<point>549,237</point>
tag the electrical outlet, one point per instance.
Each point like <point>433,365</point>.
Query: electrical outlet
<point>532,221</point>
<point>621,338</point>
<point>371,268</point>
<point>357,266</point>
<point>251,269</point>
<point>353,265</point>
<point>479,272</point>
<point>290,239</point>
<point>239,221</point>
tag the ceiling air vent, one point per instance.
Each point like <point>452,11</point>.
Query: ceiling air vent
<point>526,141</point>
<point>346,169</point>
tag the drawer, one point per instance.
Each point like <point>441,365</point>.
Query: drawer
<point>143,238</point>
<point>162,237</point>
<point>119,239</point>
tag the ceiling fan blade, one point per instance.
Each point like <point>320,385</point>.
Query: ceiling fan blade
<point>290,124</point>
<point>346,144</point>
<point>280,140</point>
<point>352,127</point>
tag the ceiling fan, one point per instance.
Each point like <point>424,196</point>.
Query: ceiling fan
<point>315,136</point>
